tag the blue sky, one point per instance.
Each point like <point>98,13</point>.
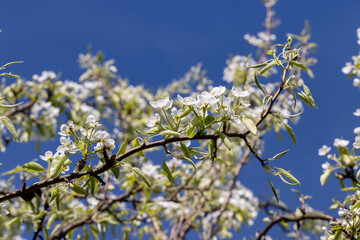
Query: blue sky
<point>154,42</point>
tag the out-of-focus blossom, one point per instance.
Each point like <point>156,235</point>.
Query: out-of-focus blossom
<point>340,142</point>
<point>162,103</point>
<point>324,150</point>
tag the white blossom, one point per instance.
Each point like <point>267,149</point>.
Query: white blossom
<point>324,150</point>
<point>205,100</point>
<point>187,100</point>
<point>237,93</point>
<point>340,142</point>
<point>218,91</point>
<point>162,103</point>
<point>357,112</point>
<point>357,130</point>
<point>48,156</point>
<point>45,75</point>
<point>356,144</point>
<point>153,120</point>
<point>91,121</point>
<point>325,166</point>
<point>344,212</point>
<point>4,210</point>
<point>347,68</point>
<point>65,129</point>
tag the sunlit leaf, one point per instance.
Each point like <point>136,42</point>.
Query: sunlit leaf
<point>142,176</point>
<point>33,167</point>
<point>167,172</point>
<point>8,124</point>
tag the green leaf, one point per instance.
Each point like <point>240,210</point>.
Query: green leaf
<point>306,99</point>
<point>8,124</point>
<point>51,220</point>
<point>279,155</point>
<point>356,205</point>
<point>55,192</point>
<point>191,132</point>
<point>116,171</point>
<point>185,150</point>
<point>258,65</point>
<point>293,115</point>
<point>337,235</point>
<point>358,174</point>
<point>122,148</point>
<point>33,167</point>
<point>209,120</point>
<point>225,140</point>
<point>136,144</point>
<point>57,164</point>
<point>9,75</point>
<point>291,133</point>
<point>170,133</point>
<point>267,67</point>
<point>325,176</point>
<point>10,105</point>
<point>190,161</point>
<point>78,189</point>
<point>167,172</point>
<point>186,112</point>
<point>154,130</point>
<point>142,176</point>
<point>299,65</point>
<point>258,84</point>
<point>289,176</point>
<point>249,124</point>
<point>349,189</point>
<point>8,64</point>
<point>13,221</point>
<point>272,188</point>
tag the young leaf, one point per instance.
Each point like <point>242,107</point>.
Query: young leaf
<point>272,188</point>
<point>8,124</point>
<point>56,165</point>
<point>142,176</point>
<point>190,161</point>
<point>225,139</point>
<point>299,65</point>
<point>288,175</point>
<point>325,176</point>
<point>116,171</point>
<point>78,189</point>
<point>306,100</point>
<point>135,144</point>
<point>267,67</point>
<point>122,148</point>
<point>9,75</point>
<point>258,65</point>
<point>291,133</point>
<point>10,63</point>
<point>191,132</point>
<point>279,155</point>
<point>33,167</point>
<point>186,112</point>
<point>10,105</point>
<point>185,150</point>
<point>258,84</point>
<point>209,120</point>
<point>170,132</point>
<point>249,124</point>
<point>167,172</point>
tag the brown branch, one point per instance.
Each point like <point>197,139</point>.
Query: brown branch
<point>306,216</point>
<point>104,206</point>
<point>106,166</point>
<point>20,108</point>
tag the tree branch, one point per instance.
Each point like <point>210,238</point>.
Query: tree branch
<point>306,216</point>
